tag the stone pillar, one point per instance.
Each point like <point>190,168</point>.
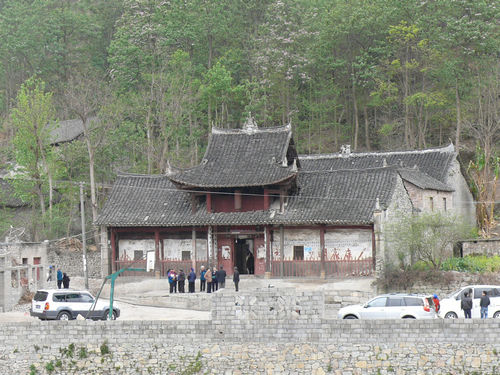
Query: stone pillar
<point>378,242</point>
<point>157,254</point>
<point>267,236</point>
<point>105,253</point>
<point>282,250</point>
<point>193,251</point>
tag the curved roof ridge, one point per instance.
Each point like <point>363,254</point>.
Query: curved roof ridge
<point>392,167</point>
<point>270,129</point>
<point>449,148</point>
<point>139,175</point>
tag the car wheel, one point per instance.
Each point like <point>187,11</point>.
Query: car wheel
<point>350,317</point>
<point>450,315</point>
<point>496,315</point>
<point>64,315</point>
<point>113,315</point>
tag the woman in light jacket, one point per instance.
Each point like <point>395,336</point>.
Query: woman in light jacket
<point>208,277</point>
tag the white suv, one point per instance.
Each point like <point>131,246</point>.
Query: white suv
<point>392,306</point>
<point>66,304</point>
<point>451,306</point>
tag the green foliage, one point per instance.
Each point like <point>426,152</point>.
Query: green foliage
<point>427,237</point>
<point>104,348</point>
<point>472,263</point>
<point>33,370</point>
<point>82,353</point>
<point>49,366</point>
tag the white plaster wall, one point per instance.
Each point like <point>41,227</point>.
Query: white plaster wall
<point>463,201</point>
<point>309,238</point>
<point>172,248</point>
<point>348,244</point>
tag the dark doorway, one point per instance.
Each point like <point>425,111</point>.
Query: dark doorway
<point>243,256</point>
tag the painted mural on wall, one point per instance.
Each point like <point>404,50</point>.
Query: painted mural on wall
<point>134,249</point>
<point>345,244</point>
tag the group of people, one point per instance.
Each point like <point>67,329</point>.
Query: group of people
<point>466,304</point>
<point>210,279</point>
<point>62,278</point>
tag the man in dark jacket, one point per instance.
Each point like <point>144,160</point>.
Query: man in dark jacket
<point>65,281</point>
<point>484,303</point>
<point>191,280</point>
<point>180,281</point>
<point>236,278</point>
<point>221,277</point>
<point>59,278</point>
<point>466,305</point>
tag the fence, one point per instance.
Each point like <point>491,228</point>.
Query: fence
<point>165,265</point>
<point>312,268</point>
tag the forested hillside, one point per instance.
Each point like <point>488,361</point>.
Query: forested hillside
<point>158,74</point>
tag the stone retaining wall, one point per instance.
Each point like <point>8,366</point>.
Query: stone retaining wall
<point>71,261</point>
<point>170,347</point>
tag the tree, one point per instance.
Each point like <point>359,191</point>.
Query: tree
<point>427,237</point>
<point>33,118</point>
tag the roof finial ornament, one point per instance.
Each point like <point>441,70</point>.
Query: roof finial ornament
<point>168,170</point>
<point>377,204</point>
<point>345,150</point>
<point>384,162</point>
<point>294,166</point>
<point>250,126</point>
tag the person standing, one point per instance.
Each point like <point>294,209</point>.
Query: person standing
<point>484,303</point>
<point>49,274</point>
<point>208,277</point>
<point>466,305</point>
<point>65,281</point>
<point>59,278</point>
<point>203,281</point>
<point>236,278</point>
<point>191,280</point>
<point>215,282</point>
<point>181,281</point>
<point>221,277</point>
<point>172,281</point>
<point>435,300</point>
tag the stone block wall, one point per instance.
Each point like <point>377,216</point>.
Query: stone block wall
<point>487,247</point>
<point>291,346</point>
<point>71,261</point>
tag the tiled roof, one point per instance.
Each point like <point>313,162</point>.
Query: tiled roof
<point>422,180</point>
<point>346,197</point>
<point>242,157</point>
<point>433,162</point>
<point>68,130</point>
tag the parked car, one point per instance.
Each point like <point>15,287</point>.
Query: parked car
<point>392,306</point>
<point>67,304</point>
<point>451,306</point>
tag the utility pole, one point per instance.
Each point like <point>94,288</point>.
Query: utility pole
<point>84,239</point>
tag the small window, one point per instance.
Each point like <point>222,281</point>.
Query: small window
<point>478,292</point>
<point>395,301</point>
<point>186,255</point>
<point>40,296</point>
<point>73,297</point>
<point>444,204</point>
<point>410,301</point>
<point>298,253</point>
<point>431,203</point>
<point>86,298</point>
<point>377,302</point>
<point>59,297</point>
<point>138,254</point>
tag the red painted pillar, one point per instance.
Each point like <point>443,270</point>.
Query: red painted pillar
<point>323,250</point>
<point>157,253</point>
<point>113,251</point>
<point>209,202</point>
<point>267,236</point>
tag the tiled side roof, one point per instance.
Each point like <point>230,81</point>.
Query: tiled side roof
<point>236,158</point>
<point>346,197</point>
<point>7,195</point>
<point>422,180</point>
<point>433,162</point>
<point>68,130</point>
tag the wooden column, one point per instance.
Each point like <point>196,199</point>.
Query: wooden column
<point>267,237</point>
<point>193,252</point>
<point>323,250</point>
<point>113,250</point>
<point>282,249</point>
<point>157,254</point>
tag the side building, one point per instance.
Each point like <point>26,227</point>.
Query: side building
<point>255,204</point>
